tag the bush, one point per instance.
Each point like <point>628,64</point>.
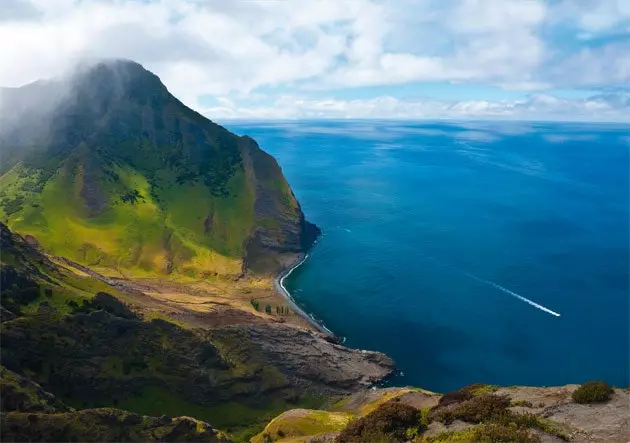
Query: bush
<point>479,389</point>
<point>499,433</point>
<point>454,397</point>
<point>476,410</point>
<point>523,403</point>
<point>593,392</point>
<point>391,422</point>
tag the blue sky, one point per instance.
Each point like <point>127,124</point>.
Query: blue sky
<point>452,59</point>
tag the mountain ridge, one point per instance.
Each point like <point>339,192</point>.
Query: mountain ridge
<point>118,152</point>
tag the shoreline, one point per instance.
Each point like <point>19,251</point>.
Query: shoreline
<point>278,283</point>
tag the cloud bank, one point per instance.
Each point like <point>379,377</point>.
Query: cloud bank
<point>272,59</point>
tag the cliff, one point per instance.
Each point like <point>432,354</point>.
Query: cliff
<point>109,169</point>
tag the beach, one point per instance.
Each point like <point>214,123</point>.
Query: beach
<point>281,289</point>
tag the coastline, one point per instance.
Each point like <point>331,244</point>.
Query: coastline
<point>278,283</point>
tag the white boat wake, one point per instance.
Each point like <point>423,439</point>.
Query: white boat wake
<point>495,285</point>
<point>514,294</point>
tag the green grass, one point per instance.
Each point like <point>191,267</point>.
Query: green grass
<point>480,389</point>
<point>59,300</point>
<point>240,420</point>
<point>141,236</point>
<point>303,423</point>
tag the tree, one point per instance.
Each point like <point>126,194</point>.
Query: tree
<point>268,309</point>
<point>255,304</point>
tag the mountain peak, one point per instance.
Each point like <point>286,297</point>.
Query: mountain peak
<point>147,184</point>
<point>116,78</point>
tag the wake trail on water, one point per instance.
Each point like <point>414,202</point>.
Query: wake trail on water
<point>495,285</point>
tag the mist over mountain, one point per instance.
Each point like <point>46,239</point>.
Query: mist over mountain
<point>106,167</point>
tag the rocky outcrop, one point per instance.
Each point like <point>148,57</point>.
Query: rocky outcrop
<point>515,414</point>
<point>280,227</point>
<point>309,360</point>
<point>599,422</point>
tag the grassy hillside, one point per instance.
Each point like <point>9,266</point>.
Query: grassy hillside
<point>126,177</point>
<point>91,346</point>
<point>73,340</point>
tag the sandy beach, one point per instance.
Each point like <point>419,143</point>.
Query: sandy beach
<point>280,288</point>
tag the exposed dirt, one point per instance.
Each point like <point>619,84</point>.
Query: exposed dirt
<point>210,303</point>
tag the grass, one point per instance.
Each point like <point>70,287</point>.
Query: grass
<point>522,403</point>
<point>480,389</point>
<point>106,424</point>
<point>241,421</point>
<point>139,235</point>
<point>302,423</point>
<point>369,407</point>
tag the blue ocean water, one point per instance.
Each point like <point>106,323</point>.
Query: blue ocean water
<point>430,229</point>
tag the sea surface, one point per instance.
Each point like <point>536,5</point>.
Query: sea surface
<point>493,252</point>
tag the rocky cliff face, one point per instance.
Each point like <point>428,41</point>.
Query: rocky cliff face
<point>281,228</point>
<point>110,169</point>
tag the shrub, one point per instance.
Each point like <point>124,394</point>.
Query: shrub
<point>523,403</point>
<point>498,433</point>
<point>479,389</point>
<point>476,410</point>
<point>454,397</point>
<point>391,422</point>
<point>593,392</point>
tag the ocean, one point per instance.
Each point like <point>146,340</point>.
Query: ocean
<point>490,252</point>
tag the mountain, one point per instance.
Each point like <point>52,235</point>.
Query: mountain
<point>109,169</point>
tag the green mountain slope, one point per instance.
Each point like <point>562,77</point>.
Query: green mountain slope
<point>110,170</point>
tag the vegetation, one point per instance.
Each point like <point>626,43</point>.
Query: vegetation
<point>454,397</point>
<point>522,403</point>
<point>487,416</point>
<point>393,421</point>
<point>480,389</point>
<point>492,410</point>
<point>86,347</point>
<point>593,392</point>
<point>494,432</point>
<point>105,424</point>
<point>302,423</point>
<point>169,194</point>
<point>479,409</point>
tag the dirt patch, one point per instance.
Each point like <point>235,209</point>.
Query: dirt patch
<point>420,399</point>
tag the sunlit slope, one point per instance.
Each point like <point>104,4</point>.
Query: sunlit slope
<point>127,177</point>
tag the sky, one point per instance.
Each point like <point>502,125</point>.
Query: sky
<point>302,59</point>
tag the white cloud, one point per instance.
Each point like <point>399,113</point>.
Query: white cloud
<point>608,107</point>
<point>232,49</point>
<point>593,17</point>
